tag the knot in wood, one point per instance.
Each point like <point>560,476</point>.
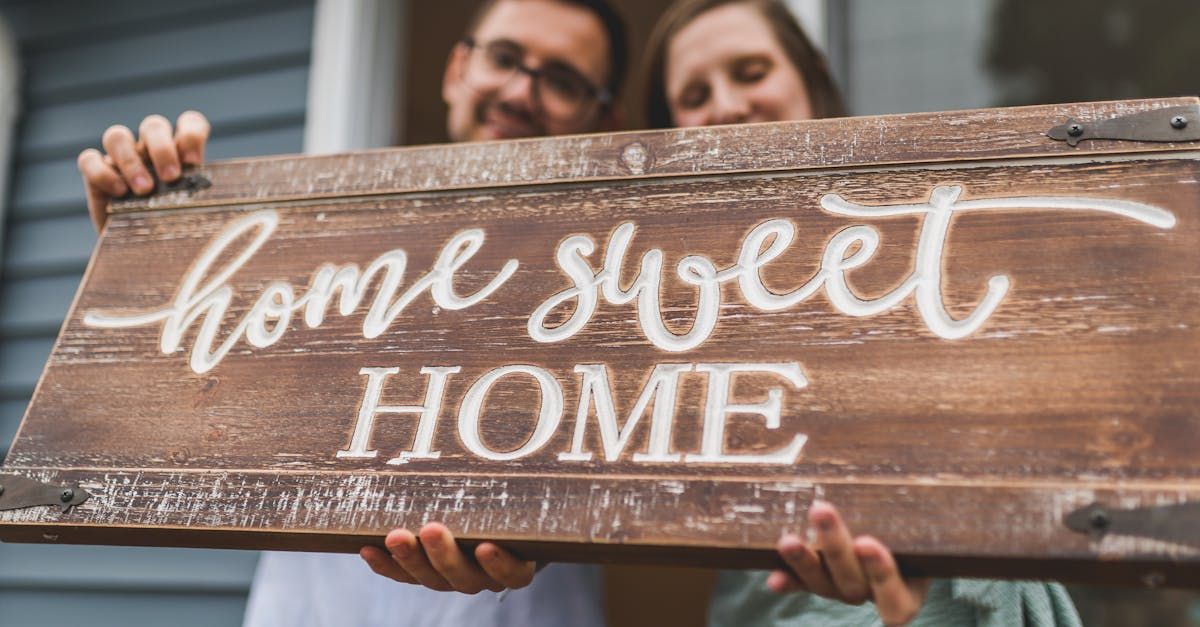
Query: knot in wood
<point>634,157</point>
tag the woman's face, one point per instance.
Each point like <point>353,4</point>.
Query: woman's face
<point>725,67</point>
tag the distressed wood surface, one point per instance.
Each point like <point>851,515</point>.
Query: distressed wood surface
<point>595,519</point>
<point>963,454</point>
<point>868,140</point>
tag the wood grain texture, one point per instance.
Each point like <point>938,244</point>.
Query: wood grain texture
<point>783,146</point>
<point>963,455</point>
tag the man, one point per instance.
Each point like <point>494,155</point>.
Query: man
<point>526,68</point>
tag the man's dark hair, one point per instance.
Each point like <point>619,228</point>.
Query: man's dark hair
<point>614,28</point>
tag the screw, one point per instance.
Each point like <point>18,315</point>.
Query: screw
<point>67,495</point>
<point>1,490</point>
<point>1179,122</point>
<point>1099,520</point>
<point>1075,129</point>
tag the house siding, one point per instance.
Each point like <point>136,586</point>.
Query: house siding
<point>87,65</point>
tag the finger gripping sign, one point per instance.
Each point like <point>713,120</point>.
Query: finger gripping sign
<point>959,340</point>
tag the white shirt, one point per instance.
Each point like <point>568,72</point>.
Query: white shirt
<point>318,589</point>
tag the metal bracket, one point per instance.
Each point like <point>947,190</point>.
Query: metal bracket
<point>17,492</point>
<point>189,183</point>
<point>1170,124</point>
<point>1179,523</point>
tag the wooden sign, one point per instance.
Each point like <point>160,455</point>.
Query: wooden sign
<point>977,333</point>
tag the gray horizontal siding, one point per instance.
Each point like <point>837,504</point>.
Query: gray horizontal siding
<point>208,49</point>
<point>235,103</point>
<point>49,188</point>
<point>92,607</point>
<point>49,246</point>
<point>88,65</point>
<point>11,411</point>
<point>34,306</point>
<point>53,24</point>
<point>24,565</point>
<point>17,378</point>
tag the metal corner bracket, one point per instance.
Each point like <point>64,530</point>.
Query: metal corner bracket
<point>1169,124</point>
<point>1178,523</point>
<point>17,492</point>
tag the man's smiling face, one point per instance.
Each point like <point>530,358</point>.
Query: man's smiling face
<point>546,32</point>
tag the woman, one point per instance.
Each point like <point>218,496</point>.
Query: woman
<point>739,61</point>
<point>752,52</point>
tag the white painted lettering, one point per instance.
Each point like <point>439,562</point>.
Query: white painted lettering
<point>717,406</point>
<point>364,426</point>
<point>277,302</point>
<point>549,412</point>
<point>924,282</point>
<point>596,391</point>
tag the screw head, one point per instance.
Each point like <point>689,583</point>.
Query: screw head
<point>67,495</point>
<point>1,490</point>
<point>1075,129</point>
<point>1099,520</point>
<point>1179,122</point>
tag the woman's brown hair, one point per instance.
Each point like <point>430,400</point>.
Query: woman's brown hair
<point>826,99</point>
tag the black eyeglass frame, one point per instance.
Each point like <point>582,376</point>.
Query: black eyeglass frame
<point>601,95</point>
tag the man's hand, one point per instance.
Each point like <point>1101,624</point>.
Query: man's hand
<point>122,166</point>
<point>851,570</point>
<point>432,559</point>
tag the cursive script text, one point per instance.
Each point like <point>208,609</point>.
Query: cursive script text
<point>924,282</point>
<point>268,319</point>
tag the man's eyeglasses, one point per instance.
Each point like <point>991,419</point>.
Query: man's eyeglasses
<point>559,89</point>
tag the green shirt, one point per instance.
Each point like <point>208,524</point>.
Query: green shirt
<point>741,599</point>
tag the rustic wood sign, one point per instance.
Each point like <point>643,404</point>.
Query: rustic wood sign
<point>977,333</point>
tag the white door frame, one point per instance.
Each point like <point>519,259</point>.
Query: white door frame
<point>813,17</point>
<point>355,79</point>
<point>10,102</point>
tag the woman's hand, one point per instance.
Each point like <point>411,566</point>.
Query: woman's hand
<point>432,559</point>
<point>122,165</point>
<point>852,570</point>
